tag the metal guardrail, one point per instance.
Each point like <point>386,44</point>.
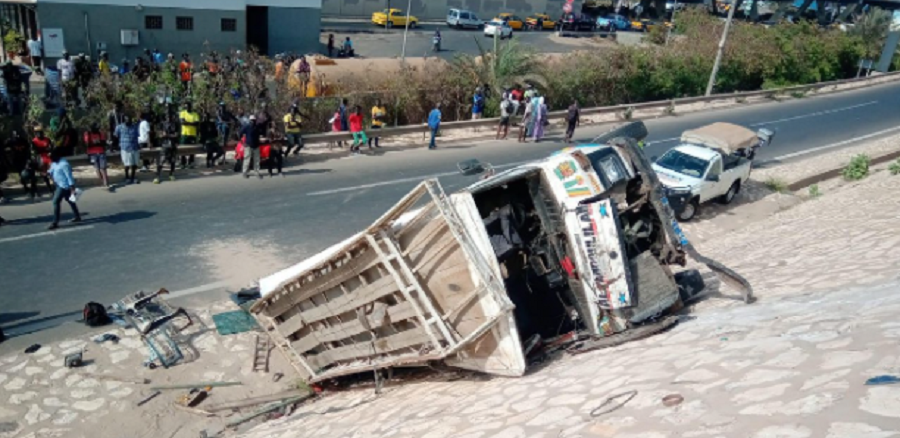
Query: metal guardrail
<point>324,138</point>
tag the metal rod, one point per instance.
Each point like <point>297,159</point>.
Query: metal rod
<point>195,385</point>
<point>715,69</point>
<point>268,409</point>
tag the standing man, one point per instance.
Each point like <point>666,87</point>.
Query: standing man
<point>224,119</point>
<point>209,138</point>
<point>168,148</point>
<point>356,129</point>
<point>144,139</point>
<point>478,104</point>
<point>379,113</point>
<point>573,119</point>
<point>66,74</point>
<point>505,112</point>
<point>61,173</point>
<point>103,65</point>
<point>190,121</point>
<point>344,120</point>
<point>158,57</point>
<point>434,122</point>
<point>13,78</point>
<point>251,147</point>
<point>127,133</point>
<point>292,125</point>
<point>83,72</point>
<point>96,150</point>
<point>186,70</point>
<point>36,51</point>
<point>331,45</point>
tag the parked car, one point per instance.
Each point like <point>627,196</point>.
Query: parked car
<point>393,17</point>
<point>461,18</point>
<point>513,20</point>
<point>711,163</point>
<point>499,28</point>
<point>574,22</point>
<point>650,24</point>
<point>540,22</point>
<point>637,25</point>
<point>613,22</point>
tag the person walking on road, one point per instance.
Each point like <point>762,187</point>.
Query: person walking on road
<point>527,126</point>
<point>95,142</point>
<point>292,125</point>
<point>505,115</point>
<point>356,129</point>
<point>573,119</point>
<point>250,133</point>
<point>127,133</point>
<point>434,123</point>
<point>168,147</point>
<point>190,121</point>
<point>61,172</point>
<point>379,113</point>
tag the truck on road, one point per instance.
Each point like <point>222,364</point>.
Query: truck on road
<point>710,163</point>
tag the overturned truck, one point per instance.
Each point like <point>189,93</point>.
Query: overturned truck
<point>581,241</point>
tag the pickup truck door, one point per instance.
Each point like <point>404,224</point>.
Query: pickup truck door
<point>709,188</point>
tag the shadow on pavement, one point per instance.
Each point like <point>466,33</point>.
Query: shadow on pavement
<point>36,325</point>
<point>6,318</point>
<point>113,219</point>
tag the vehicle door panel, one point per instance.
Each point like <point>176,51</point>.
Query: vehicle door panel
<point>711,189</point>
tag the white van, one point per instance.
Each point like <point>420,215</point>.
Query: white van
<point>461,18</point>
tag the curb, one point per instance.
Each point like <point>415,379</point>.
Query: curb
<point>837,171</point>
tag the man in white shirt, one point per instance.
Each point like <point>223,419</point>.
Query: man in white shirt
<point>36,51</point>
<point>66,74</point>
<point>144,136</point>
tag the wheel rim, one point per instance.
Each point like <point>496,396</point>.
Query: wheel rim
<point>688,212</point>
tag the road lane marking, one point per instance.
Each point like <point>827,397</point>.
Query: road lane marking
<point>834,145</point>
<point>402,180</point>
<point>45,233</point>
<point>817,113</point>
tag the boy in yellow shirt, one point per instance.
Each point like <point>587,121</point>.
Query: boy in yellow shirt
<point>379,114</point>
<point>292,125</point>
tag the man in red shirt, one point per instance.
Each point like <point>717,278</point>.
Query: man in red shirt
<point>41,147</point>
<point>95,141</point>
<point>185,69</point>
<point>356,129</point>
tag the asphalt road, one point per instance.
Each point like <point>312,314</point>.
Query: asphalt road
<point>205,236</point>
<point>389,43</point>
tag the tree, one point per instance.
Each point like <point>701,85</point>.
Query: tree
<point>872,28</point>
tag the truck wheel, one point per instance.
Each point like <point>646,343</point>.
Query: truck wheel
<point>731,193</point>
<point>691,209</point>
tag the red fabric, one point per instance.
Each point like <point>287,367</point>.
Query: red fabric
<point>185,69</point>
<point>356,122</point>
<point>569,267</point>
<point>517,95</point>
<point>95,142</point>
<point>43,148</point>
<point>239,150</point>
<point>264,150</point>
<point>336,122</point>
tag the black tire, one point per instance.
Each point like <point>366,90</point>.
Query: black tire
<point>690,211</point>
<point>732,193</point>
<point>690,284</point>
<point>413,24</point>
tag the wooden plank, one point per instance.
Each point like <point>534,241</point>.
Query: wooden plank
<point>349,329</point>
<point>387,344</point>
<point>379,288</point>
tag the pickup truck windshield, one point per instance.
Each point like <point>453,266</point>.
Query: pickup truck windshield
<point>683,163</point>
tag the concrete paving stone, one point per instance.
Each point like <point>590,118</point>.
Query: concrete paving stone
<point>15,384</point>
<point>841,359</point>
<point>858,430</point>
<point>787,431</point>
<point>760,394</point>
<point>881,400</point>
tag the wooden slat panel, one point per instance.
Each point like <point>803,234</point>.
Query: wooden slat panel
<point>379,288</point>
<point>399,341</point>
<point>349,329</point>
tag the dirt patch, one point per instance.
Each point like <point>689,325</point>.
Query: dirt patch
<point>238,262</point>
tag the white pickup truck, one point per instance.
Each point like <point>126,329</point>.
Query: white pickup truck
<point>711,163</point>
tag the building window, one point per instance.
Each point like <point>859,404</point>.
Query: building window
<point>184,23</point>
<point>229,25</point>
<point>153,22</point>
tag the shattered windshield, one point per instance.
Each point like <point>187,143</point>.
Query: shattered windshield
<point>683,163</point>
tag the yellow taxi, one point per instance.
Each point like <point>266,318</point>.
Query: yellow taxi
<point>393,17</point>
<point>540,21</point>
<point>650,24</point>
<point>513,21</point>
<point>638,25</point>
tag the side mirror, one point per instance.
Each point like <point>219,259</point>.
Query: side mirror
<point>713,178</point>
<point>470,167</point>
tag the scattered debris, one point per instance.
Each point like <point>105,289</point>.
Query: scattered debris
<point>108,377</point>
<point>33,348</point>
<point>149,397</point>
<point>106,337</point>
<point>193,410</point>
<point>192,398</point>
<point>268,409</point>
<point>883,380</point>
<point>153,317</point>
<point>195,385</point>
<point>672,400</point>
<point>74,360</point>
<point>247,402</point>
<point>277,376</point>
<point>238,321</point>
<point>608,406</point>
<point>596,343</point>
<point>261,349</point>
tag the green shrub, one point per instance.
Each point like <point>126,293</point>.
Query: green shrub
<point>776,185</point>
<point>858,168</point>
<point>814,191</point>
<point>894,168</point>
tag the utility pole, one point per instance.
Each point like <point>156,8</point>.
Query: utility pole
<point>715,69</point>
<point>405,33</point>
<point>387,22</point>
<point>674,11</point>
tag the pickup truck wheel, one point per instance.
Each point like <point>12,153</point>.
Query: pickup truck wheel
<point>732,192</point>
<point>691,209</point>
